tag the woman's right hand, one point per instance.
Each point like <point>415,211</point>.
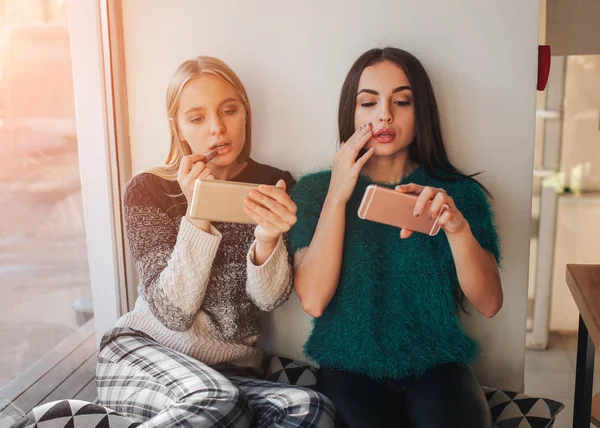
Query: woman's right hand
<point>346,166</point>
<point>191,168</point>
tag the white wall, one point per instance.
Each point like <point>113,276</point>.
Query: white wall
<point>293,56</point>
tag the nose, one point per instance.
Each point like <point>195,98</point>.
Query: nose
<point>217,126</point>
<point>385,115</point>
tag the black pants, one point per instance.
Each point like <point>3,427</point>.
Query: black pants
<point>447,396</point>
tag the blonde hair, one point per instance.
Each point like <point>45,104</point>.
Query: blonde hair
<point>187,71</point>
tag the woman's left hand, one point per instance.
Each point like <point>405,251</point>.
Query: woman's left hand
<point>273,210</point>
<point>451,219</point>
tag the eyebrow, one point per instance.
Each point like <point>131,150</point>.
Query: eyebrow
<point>398,89</point>
<point>226,100</point>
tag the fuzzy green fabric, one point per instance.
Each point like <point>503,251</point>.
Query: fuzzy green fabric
<point>394,312</point>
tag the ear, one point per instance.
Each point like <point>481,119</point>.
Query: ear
<point>173,126</point>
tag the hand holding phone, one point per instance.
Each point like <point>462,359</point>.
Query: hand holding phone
<point>388,206</point>
<point>273,210</point>
<point>435,202</point>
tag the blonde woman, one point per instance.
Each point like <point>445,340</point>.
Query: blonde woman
<point>186,354</point>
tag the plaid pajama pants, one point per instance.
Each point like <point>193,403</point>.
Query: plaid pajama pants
<point>160,387</point>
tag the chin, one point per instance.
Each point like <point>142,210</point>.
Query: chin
<point>385,151</point>
<point>222,161</point>
<point>389,149</point>
<point>225,160</point>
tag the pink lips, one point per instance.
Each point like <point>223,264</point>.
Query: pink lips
<point>220,148</point>
<point>385,135</point>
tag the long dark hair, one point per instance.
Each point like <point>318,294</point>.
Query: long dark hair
<point>427,148</point>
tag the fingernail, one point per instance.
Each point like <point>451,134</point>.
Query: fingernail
<point>416,213</point>
<point>370,124</point>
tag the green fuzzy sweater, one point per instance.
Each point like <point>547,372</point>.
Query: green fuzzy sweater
<point>394,314</point>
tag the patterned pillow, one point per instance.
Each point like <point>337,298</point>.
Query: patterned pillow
<point>509,409</point>
<point>291,372</point>
<point>514,410</point>
<point>74,414</point>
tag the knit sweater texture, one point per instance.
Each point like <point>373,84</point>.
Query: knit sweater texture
<point>394,313</point>
<point>201,293</point>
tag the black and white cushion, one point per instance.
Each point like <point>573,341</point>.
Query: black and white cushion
<point>284,370</point>
<point>74,414</point>
<point>514,410</point>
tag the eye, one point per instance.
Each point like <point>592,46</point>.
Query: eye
<point>197,119</point>
<point>229,111</point>
<point>402,103</point>
<point>371,104</point>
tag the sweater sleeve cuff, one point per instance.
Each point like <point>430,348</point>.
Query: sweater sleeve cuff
<point>268,282</point>
<point>198,238</point>
<point>272,259</point>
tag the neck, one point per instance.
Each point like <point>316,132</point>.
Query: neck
<point>227,172</point>
<point>389,169</point>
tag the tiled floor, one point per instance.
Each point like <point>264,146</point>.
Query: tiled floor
<point>551,374</point>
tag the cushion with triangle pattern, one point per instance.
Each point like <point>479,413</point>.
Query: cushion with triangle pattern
<point>290,372</point>
<point>509,409</point>
<point>74,414</point>
<point>514,410</point>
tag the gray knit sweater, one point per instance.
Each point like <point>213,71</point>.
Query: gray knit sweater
<point>201,293</point>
